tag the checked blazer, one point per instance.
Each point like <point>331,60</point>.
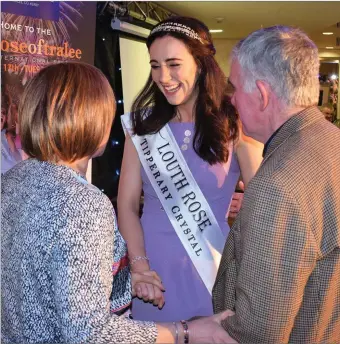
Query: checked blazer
<point>280,269</point>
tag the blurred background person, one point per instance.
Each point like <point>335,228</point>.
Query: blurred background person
<point>328,111</point>
<point>10,154</point>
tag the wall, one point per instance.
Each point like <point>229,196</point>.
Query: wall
<point>328,68</point>
<point>223,50</point>
<point>325,96</point>
<point>135,71</point>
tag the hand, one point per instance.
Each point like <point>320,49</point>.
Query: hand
<point>236,202</point>
<point>209,329</point>
<point>148,286</point>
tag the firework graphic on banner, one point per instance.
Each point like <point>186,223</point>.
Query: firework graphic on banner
<point>59,34</point>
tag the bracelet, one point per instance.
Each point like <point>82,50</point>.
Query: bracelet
<point>176,332</point>
<point>137,258</point>
<point>186,331</point>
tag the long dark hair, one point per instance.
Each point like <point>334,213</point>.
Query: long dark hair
<point>215,117</point>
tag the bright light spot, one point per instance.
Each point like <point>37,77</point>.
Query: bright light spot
<point>215,31</point>
<point>333,77</point>
<point>327,33</point>
<point>329,47</point>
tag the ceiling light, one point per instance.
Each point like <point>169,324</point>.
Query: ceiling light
<point>327,33</point>
<point>329,47</point>
<point>215,31</point>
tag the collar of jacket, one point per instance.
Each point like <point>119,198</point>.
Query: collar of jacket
<point>295,123</point>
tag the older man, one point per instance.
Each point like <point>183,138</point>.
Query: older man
<point>280,269</point>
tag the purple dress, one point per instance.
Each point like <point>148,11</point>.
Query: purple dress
<point>186,295</point>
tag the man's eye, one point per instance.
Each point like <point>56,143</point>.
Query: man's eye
<point>154,67</point>
<point>175,65</point>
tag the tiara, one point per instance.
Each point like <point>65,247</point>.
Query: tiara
<point>177,27</point>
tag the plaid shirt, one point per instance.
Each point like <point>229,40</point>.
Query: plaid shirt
<point>280,269</point>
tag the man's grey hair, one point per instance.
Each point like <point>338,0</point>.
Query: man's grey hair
<point>284,57</point>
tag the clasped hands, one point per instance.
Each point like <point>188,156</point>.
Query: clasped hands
<point>147,285</point>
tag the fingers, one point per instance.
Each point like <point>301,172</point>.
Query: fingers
<point>223,315</point>
<point>241,185</point>
<point>232,215</point>
<point>150,277</point>
<point>147,285</point>
<point>236,197</point>
<point>147,277</point>
<point>159,298</point>
<point>235,205</point>
<point>141,290</point>
<point>149,293</point>
<point>222,336</point>
<point>152,274</point>
<point>138,290</point>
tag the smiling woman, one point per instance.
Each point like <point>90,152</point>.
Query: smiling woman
<point>174,70</point>
<point>182,149</point>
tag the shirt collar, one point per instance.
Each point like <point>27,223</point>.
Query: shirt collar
<point>266,145</point>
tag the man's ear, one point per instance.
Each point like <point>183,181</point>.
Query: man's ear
<point>262,87</point>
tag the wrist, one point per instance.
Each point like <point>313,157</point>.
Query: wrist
<point>139,263</point>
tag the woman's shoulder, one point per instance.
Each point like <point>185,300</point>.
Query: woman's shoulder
<point>87,197</point>
<point>55,184</point>
<point>85,206</point>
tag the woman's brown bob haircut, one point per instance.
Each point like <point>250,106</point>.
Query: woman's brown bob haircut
<point>65,112</point>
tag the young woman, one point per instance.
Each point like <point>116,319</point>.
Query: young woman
<point>185,114</point>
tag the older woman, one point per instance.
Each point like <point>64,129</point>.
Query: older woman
<point>61,250</point>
